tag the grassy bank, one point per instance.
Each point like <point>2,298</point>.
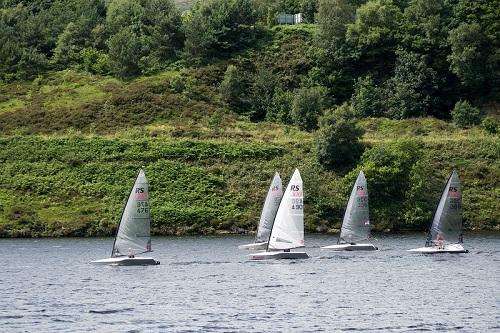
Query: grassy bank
<point>77,185</point>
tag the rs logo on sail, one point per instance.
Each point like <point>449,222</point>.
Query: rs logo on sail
<point>454,192</point>
<point>140,193</point>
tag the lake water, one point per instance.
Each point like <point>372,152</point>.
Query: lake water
<point>205,284</point>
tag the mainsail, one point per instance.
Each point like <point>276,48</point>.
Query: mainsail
<point>134,232</point>
<point>269,209</point>
<point>288,229</point>
<point>446,226</point>
<point>356,223</point>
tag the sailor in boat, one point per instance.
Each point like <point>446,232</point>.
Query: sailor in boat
<point>439,241</point>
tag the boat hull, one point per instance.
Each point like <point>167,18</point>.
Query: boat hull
<point>254,246</point>
<point>447,248</point>
<point>126,261</point>
<point>278,255</point>
<point>350,247</point>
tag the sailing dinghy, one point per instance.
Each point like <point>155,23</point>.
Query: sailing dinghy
<point>445,233</point>
<point>288,229</point>
<point>134,232</point>
<point>356,223</point>
<point>267,216</point>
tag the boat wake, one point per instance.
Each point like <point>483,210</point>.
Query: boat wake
<point>110,311</point>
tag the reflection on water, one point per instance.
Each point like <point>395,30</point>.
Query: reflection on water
<point>205,284</point>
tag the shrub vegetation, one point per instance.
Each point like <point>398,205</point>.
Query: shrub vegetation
<point>215,97</point>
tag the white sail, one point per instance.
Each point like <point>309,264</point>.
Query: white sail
<point>288,228</point>
<point>446,226</point>
<point>356,223</point>
<point>270,209</point>
<point>134,233</point>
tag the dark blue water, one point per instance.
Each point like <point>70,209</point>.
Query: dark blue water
<point>205,284</point>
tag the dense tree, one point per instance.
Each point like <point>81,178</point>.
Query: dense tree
<point>367,98</point>
<point>266,11</point>
<point>279,111</point>
<point>232,89</point>
<point>153,31</point>
<point>125,53</point>
<point>469,55</point>
<point>475,47</point>
<point>333,61</point>
<point>402,184</point>
<point>262,93</point>
<point>426,54</point>
<point>308,8</point>
<point>34,29</point>
<point>411,90</point>
<point>87,31</point>
<point>337,141</point>
<point>375,34</point>
<point>465,115</point>
<point>307,107</point>
<point>11,21</point>
<point>215,28</point>
<point>332,18</point>
<point>423,26</point>
<point>162,28</point>
<point>483,12</point>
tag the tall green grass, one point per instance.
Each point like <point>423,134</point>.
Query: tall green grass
<point>64,186</point>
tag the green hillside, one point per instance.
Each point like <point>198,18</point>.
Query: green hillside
<point>72,144</point>
<point>212,119</point>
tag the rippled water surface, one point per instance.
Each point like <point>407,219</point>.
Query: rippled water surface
<point>205,284</point>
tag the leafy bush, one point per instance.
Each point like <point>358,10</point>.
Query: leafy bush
<point>490,125</point>
<point>281,105</point>
<point>367,99</point>
<point>232,89</point>
<point>307,107</point>
<point>465,115</point>
<point>94,61</point>
<point>337,141</point>
<point>411,90</point>
<point>399,184</point>
<point>262,93</point>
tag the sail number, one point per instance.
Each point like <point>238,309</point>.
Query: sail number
<point>142,207</point>
<point>297,204</point>
<point>455,203</point>
<point>363,202</point>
